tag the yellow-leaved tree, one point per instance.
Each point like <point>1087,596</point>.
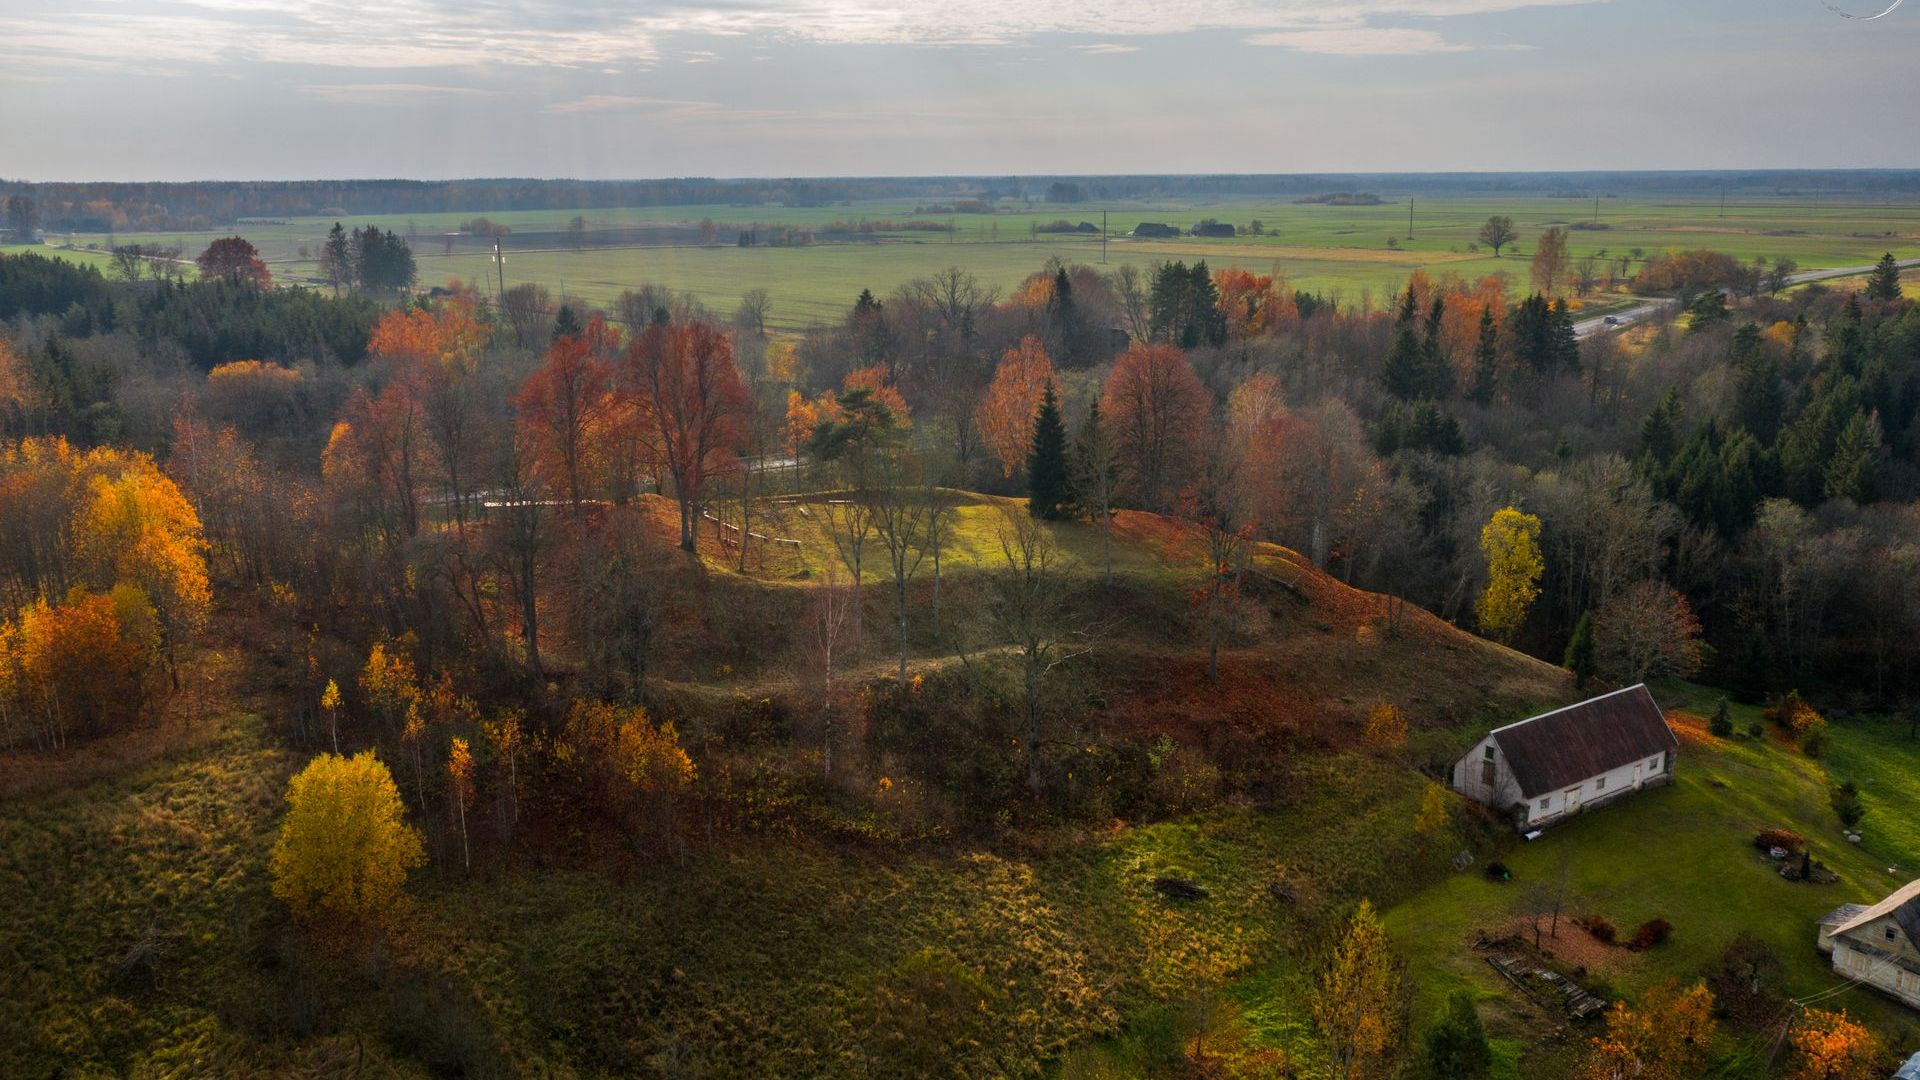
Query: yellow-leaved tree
<point>1828,1046</point>
<point>1361,1012</point>
<point>1511,542</point>
<point>1666,1038</point>
<point>344,848</point>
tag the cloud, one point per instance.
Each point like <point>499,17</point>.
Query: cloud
<point>1361,41</point>
<point>1107,48</point>
<point>669,107</point>
<point>595,34</point>
<point>387,93</point>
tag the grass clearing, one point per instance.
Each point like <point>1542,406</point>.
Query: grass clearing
<point>1684,853</point>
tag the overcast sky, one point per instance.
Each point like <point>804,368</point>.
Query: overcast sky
<point>193,89</point>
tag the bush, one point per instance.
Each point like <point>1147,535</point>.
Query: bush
<point>1768,839</point>
<point>1457,1046</point>
<point>1755,730</point>
<point>1602,929</point>
<point>1845,798</point>
<point>1722,722</point>
<point>1497,871</point>
<point>1652,932</point>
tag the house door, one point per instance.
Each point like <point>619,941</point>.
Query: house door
<point>1637,766</point>
<point>1573,799</point>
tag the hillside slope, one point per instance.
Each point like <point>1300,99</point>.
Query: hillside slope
<point>768,946</point>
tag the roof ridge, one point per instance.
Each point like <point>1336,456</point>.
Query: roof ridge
<point>1574,705</point>
<point>1895,900</point>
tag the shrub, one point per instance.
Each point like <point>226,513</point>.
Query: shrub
<point>1722,722</point>
<point>1755,730</point>
<point>1768,839</point>
<point>1652,932</point>
<point>1457,1047</point>
<point>1602,929</point>
<point>1386,728</point>
<point>1845,798</point>
<point>1497,871</point>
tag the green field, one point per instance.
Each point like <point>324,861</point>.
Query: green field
<point>1334,250</point>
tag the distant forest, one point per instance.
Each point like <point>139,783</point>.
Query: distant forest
<point>106,206</point>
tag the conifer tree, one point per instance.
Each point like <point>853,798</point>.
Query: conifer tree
<point>1579,658</point>
<point>1095,473</point>
<point>1884,283</point>
<point>1049,491</point>
<point>1486,359</point>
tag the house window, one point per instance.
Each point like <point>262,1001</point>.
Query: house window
<point>1654,765</point>
<point>1546,802</point>
<point>1891,934</point>
<point>1486,773</point>
<point>1489,753</point>
<point>1600,783</point>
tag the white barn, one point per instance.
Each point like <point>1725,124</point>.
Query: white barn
<point>1878,945</point>
<point>1576,758</point>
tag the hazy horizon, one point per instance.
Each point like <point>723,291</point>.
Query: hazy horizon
<point>176,90</point>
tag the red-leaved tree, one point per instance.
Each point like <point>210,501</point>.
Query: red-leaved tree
<point>233,259</point>
<point>1157,410</point>
<point>692,409</point>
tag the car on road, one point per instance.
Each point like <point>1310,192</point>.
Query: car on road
<point>1611,320</point>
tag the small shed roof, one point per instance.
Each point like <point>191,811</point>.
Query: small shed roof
<point>1569,745</point>
<point>1903,905</point>
<point>1911,1070</point>
<point>1843,913</point>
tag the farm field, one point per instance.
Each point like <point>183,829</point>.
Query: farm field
<point>1335,250</point>
<point>1684,853</point>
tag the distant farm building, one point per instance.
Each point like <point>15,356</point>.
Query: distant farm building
<point>1879,944</point>
<point>1577,758</point>
<point>1217,229</point>
<point>1155,229</point>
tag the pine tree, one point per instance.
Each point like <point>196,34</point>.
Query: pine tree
<point>1433,354</point>
<point>1486,360</point>
<point>1404,373</point>
<point>1579,657</point>
<point>1566,343</point>
<point>565,323</point>
<point>1884,283</point>
<point>1049,491</point>
<point>336,259</point>
<point>1457,1047</point>
<point>1850,471</point>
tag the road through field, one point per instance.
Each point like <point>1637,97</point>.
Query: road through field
<point>1589,327</point>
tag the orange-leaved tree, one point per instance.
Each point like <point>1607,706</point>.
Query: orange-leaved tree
<point>691,407</point>
<point>562,410</point>
<point>1829,1046</point>
<point>1006,411</point>
<point>1156,409</point>
<point>232,259</point>
<point>1361,1011</point>
<point>1666,1038</point>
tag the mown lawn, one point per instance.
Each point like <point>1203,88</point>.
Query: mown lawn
<point>1684,853</point>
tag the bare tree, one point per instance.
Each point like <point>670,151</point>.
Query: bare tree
<point>831,609</point>
<point>1498,232</point>
<point>520,539</point>
<point>130,261</point>
<point>751,315</point>
<point>1027,606</point>
<point>1130,289</point>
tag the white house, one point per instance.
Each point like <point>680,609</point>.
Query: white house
<point>1571,759</point>
<point>1878,945</point>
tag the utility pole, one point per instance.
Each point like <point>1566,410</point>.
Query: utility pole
<point>1409,217</point>
<point>500,264</point>
<point>1596,209</point>
<point>1103,238</point>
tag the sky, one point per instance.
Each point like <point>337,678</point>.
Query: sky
<point>431,89</point>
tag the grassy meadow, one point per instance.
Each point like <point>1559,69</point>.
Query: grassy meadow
<point>1335,250</point>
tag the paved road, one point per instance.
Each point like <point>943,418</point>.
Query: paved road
<point>1589,327</point>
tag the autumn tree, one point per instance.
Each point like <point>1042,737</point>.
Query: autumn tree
<point>1005,414</point>
<point>1157,410</point>
<point>233,260</point>
<point>1435,814</point>
<point>460,787</point>
<point>344,849</point>
<point>692,408</point>
<point>635,766</point>
<point>1550,262</point>
<point>1361,1010</point>
<point>563,409</point>
<point>1666,1038</point>
<point>1386,728</point>
<point>1511,543</point>
<point>1645,631</point>
<point>1220,504</point>
<point>1829,1046</point>
<point>1498,232</point>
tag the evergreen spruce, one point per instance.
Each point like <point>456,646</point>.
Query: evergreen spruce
<point>1486,360</point>
<point>1579,657</point>
<point>1049,492</point>
<point>1884,283</point>
<point>1457,1047</point>
<point>565,323</point>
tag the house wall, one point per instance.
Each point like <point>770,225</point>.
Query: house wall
<point>1876,970</point>
<point>1599,790</point>
<point>1469,777</point>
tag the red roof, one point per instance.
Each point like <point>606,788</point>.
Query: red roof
<point>1567,746</point>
